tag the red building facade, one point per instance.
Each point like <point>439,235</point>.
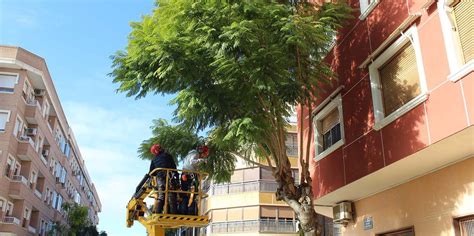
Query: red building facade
<point>394,132</point>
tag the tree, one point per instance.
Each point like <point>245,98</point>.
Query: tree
<point>236,68</point>
<point>78,222</point>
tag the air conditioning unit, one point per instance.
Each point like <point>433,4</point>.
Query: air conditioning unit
<point>39,92</point>
<point>31,131</point>
<point>342,213</point>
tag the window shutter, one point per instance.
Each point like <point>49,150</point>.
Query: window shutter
<point>237,177</point>
<point>467,226</point>
<point>285,213</point>
<point>464,14</point>
<point>234,214</point>
<point>250,213</point>
<point>399,79</point>
<point>268,211</point>
<point>330,120</point>
<point>219,215</point>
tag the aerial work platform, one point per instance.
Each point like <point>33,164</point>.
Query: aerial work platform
<point>156,223</point>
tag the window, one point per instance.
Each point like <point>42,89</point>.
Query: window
<point>458,31</point>
<point>18,130</point>
<point>7,82</point>
<point>34,177</point>
<point>397,79</point>
<point>17,168</point>
<point>47,195</point>
<point>27,92</point>
<point>52,165</point>
<point>328,127</point>
<point>366,6</point>
<point>9,167</point>
<point>3,205</point>
<point>4,118</point>
<point>403,232</point>
<point>63,175</point>
<point>59,202</point>
<point>39,143</point>
<point>26,217</point>
<point>9,209</point>
<point>54,200</point>
<point>45,108</point>
<point>463,12</point>
<point>464,226</point>
<point>291,143</point>
<point>77,197</point>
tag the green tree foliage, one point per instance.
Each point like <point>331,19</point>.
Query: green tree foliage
<point>236,68</point>
<point>178,140</point>
<point>78,223</point>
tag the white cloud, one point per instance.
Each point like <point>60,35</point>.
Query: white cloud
<point>108,140</point>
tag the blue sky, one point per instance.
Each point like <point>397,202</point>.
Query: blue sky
<point>76,37</point>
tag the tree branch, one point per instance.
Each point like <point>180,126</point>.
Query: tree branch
<point>248,159</point>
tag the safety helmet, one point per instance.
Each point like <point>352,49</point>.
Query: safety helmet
<point>155,149</point>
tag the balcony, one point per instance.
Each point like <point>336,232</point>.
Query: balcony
<point>11,220</point>
<point>262,226</point>
<point>26,150</point>
<point>19,187</point>
<point>32,111</point>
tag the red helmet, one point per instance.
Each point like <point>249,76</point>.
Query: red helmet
<point>155,149</point>
<point>203,151</point>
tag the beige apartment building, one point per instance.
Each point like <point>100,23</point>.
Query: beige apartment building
<point>247,205</point>
<point>40,163</point>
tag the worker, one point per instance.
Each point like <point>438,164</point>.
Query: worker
<point>190,181</point>
<point>163,159</point>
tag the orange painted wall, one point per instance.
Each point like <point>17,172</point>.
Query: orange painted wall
<point>428,203</point>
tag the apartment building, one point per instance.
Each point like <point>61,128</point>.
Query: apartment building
<point>247,205</point>
<point>394,133</point>
<point>40,163</point>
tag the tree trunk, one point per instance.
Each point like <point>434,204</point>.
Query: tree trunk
<point>299,198</point>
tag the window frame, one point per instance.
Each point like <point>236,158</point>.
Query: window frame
<point>458,68</point>
<point>335,102</point>
<point>3,205</point>
<point>458,224</point>
<point>381,120</point>
<point>8,112</point>
<point>16,81</point>
<point>290,144</point>
<point>366,9</point>
<point>10,172</point>
<point>18,130</point>
<point>9,208</point>
<point>401,230</point>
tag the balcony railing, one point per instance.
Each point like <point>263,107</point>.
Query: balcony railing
<point>252,186</point>
<point>31,229</point>
<point>38,194</point>
<point>11,220</point>
<point>20,178</point>
<point>264,226</point>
